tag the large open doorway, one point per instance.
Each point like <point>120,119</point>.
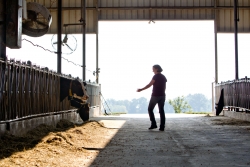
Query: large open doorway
<point>128,50</point>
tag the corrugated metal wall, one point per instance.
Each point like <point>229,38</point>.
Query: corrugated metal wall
<point>225,19</point>
<point>221,10</point>
<point>157,10</point>
<point>71,15</point>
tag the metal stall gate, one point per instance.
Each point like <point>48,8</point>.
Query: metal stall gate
<point>28,90</point>
<point>234,95</point>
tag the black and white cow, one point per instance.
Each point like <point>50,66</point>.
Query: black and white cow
<point>77,94</point>
<point>219,106</point>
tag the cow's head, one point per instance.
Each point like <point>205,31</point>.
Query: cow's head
<point>77,94</point>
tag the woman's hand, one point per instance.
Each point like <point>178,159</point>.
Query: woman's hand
<point>146,87</point>
<point>139,90</point>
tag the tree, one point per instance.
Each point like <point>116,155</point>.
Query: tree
<point>199,102</point>
<point>168,108</point>
<point>180,105</point>
<point>116,106</point>
<point>142,106</point>
<point>119,109</point>
<point>138,106</point>
<point>132,106</point>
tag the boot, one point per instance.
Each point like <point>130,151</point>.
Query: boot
<point>161,128</point>
<point>153,126</point>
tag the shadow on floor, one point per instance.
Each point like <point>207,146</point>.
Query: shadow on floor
<point>186,141</point>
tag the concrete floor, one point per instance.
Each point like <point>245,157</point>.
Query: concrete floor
<point>188,140</point>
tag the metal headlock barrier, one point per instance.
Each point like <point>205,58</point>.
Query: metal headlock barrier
<point>28,90</point>
<point>233,94</point>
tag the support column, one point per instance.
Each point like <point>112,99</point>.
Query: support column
<point>236,38</point>
<point>215,43</point>
<point>236,19</point>
<point>2,29</point>
<point>97,43</point>
<point>59,36</point>
<point>84,40</point>
<point>216,56</point>
<point>214,100</point>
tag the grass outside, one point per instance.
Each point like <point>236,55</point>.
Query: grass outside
<point>201,112</point>
<point>117,113</point>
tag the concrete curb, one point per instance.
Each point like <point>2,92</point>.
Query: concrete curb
<point>2,129</point>
<point>19,128</point>
<point>237,115</point>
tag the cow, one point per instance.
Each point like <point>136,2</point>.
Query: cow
<point>77,95</point>
<point>220,104</point>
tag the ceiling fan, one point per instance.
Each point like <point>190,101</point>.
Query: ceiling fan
<point>69,43</point>
<point>37,20</point>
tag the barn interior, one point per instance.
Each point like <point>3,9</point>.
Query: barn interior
<point>29,94</point>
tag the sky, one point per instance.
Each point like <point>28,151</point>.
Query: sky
<point>128,50</point>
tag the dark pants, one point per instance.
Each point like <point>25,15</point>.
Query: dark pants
<point>160,100</point>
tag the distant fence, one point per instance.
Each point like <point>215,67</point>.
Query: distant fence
<point>234,94</point>
<point>27,90</point>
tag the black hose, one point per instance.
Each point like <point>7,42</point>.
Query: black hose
<point>106,104</point>
<point>104,109</point>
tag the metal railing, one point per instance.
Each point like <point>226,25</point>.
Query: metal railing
<point>27,90</point>
<point>234,94</point>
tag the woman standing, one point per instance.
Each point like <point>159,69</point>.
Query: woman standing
<point>158,96</point>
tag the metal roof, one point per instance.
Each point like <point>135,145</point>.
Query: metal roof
<point>219,10</point>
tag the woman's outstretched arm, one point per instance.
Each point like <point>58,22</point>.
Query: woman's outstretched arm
<point>147,86</point>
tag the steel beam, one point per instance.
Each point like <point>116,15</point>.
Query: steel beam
<point>84,40</point>
<point>72,24</point>
<point>215,43</point>
<point>213,99</point>
<point>216,55</point>
<point>153,8</point>
<point>215,58</point>
<point>236,38</point>
<point>3,29</point>
<point>97,43</point>
<point>59,36</point>
<point>14,24</point>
